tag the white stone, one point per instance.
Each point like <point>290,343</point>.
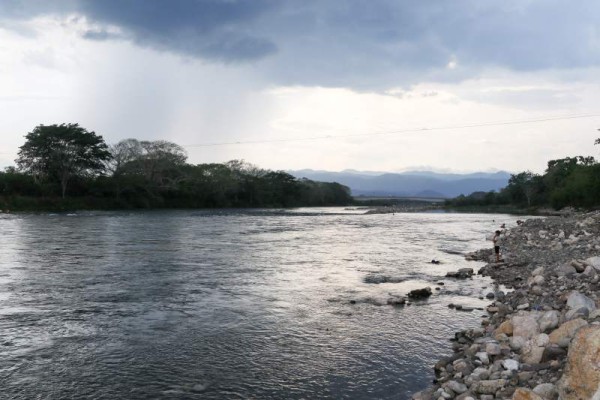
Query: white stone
<point>483,357</point>
<point>511,365</point>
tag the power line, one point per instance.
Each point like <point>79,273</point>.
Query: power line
<point>467,126</point>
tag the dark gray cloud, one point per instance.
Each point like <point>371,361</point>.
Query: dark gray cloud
<point>355,43</point>
<point>213,29</point>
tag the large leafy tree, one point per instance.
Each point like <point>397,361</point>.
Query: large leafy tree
<point>61,152</point>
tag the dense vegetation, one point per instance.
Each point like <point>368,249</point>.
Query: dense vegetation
<point>570,181</point>
<point>67,167</point>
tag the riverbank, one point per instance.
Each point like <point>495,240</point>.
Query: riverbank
<point>542,339</point>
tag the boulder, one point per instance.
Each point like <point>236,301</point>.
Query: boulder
<point>525,325</point>
<point>420,293</point>
<point>566,330</point>
<point>581,379</point>
<point>526,394</point>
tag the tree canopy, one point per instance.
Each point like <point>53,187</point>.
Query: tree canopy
<point>143,174</point>
<point>61,152</point>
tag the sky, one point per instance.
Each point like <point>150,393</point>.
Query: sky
<point>373,85</point>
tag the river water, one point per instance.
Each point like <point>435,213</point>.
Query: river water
<point>231,304</point>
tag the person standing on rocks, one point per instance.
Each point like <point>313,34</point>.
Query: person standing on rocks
<point>497,242</point>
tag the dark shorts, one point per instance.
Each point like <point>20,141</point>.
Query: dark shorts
<point>497,249</point>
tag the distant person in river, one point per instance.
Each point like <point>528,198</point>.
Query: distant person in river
<point>497,242</point>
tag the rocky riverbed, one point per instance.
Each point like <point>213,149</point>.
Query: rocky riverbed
<point>540,341</point>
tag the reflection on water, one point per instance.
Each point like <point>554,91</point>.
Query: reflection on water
<point>230,304</point>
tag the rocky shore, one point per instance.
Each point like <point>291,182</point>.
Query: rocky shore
<point>541,339</point>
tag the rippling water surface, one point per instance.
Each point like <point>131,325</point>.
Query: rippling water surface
<point>219,305</point>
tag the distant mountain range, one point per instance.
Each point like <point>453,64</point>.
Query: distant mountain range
<point>411,183</point>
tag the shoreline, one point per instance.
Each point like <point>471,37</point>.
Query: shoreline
<point>541,341</point>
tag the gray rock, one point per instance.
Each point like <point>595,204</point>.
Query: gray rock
<point>577,300</point>
<point>489,386</point>
<point>462,273</point>
<point>420,293</point>
<point>455,386</point>
<point>396,301</point>
<point>553,352</point>
<point>426,394</point>
<point>516,343</point>
<point>531,353</point>
<point>483,357</point>
<point>548,320</point>
<point>493,349</point>
<point>590,271</point>
<point>594,262</point>
<point>581,312</point>
<point>538,271</point>
<point>565,270</point>
<point>461,366</point>
<point>546,390</point>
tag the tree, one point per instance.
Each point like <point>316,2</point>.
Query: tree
<point>62,152</point>
<point>122,154</point>
<point>523,187</point>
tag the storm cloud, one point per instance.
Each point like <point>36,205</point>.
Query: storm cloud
<point>350,43</point>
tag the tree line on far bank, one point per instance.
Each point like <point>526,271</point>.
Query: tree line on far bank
<point>66,166</point>
<point>570,181</point>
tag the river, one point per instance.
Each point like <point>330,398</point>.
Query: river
<point>234,304</point>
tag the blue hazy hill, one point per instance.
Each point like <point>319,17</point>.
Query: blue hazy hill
<point>411,183</point>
